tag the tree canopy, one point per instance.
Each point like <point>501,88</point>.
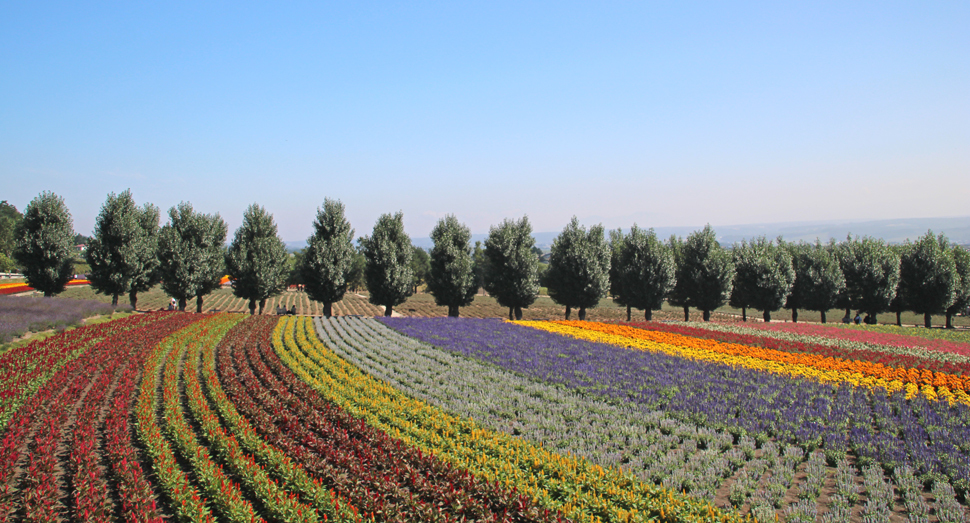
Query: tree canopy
<point>388,272</point>
<point>707,271</point>
<point>256,259</point>
<point>123,252</point>
<point>763,275</point>
<point>451,279</point>
<point>928,276</point>
<point>511,268</point>
<point>871,270</point>
<point>44,249</point>
<point>644,268</point>
<point>579,267</point>
<point>327,263</point>
<point>818,279</point>
<point>190,253</point>
<point>961,298</point>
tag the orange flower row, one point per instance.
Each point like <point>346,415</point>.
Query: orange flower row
<point>919,377</point>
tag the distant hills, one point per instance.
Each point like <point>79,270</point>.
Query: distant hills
<point>892,231</point>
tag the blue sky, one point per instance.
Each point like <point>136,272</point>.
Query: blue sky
<point>664,114</point>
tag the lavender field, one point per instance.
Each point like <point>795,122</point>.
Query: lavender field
<point>21,314</point>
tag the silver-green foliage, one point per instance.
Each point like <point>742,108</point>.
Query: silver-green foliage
<point>763,274</point>
<point>452,279</point>
<point>871,270</point>
<point>190,253</point>
<point>328,260</point>
<point>643,268</point>
<point>256,259</point>
<point>579,267</point>
<point>45,244</point>
<point>123,253</point>
<point>707,271</point>
<point>511,268</point>
<point>388,272</point>
<point>928,277</point>
<point>818,277</point>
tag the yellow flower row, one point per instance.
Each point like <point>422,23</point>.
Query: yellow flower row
<point>584,492</point>
<point>587,331</point>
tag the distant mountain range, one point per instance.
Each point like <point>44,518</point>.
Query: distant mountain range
<point>892,231</point>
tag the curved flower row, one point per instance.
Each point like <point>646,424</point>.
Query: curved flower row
<point>582,491</point>
<point>872,335</point>
<point>17,288</point>
<point>950,335</point>
<point>380,475</point>
<point>828,370</point>
<point>787,344</point>
<point>821,339</point>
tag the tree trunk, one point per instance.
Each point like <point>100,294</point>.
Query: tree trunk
<point>582,314</point>
<point>629,312</point>
<point>873,319</point>
<point>927,320</point>
<point>452,311</point>
<point>648,314</point>
<point>767,316</point>
<point>252,307</point>
<point>518,314</point>
<point>949,320</point>
<point>707,315</point>
<point>262,305</point>
<point>899,319</point>
<point>48,294</point>
<point>388,310</point>
<point>510,314</point>
<point>328,309</point>
<point>569,311</point>
<point>198,304</point>
<point>794,315</point>
<point>114,300</point>
<point>848,313</point>
<point>823,316</point>
<point>686,313</point>
<point>182,304</point>
<point>744,314</point>
<point>133,299</point>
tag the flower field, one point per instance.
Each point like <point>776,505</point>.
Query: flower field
<point>171,416</point>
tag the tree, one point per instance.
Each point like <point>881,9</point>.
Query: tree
<point>44,250</point>
<point>256,259</point>
<point>928,277</point>
<point>191,254</point>
<point>122,254</point>
<point>818,279</point>
<point>647,271</point>
<point>579,267</point>
<point>741,256</point>
<point>678,295</point>
<point>451,279</point>
<point>961,300</point>
<point>388,272</point>
<point>10,217</point>
<point>511,269</point>
<point>420,267</point>
<point>708,271</point>
<point>764,274</point>
<point>871,270</point>
<point>328,261</point>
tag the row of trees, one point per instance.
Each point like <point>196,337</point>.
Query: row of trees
<point>130,253</point>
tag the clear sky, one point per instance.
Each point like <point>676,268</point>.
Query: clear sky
<point>666,114</point>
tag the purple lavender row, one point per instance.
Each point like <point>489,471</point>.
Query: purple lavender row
<point>19,314</point>
<point>931,437</point>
